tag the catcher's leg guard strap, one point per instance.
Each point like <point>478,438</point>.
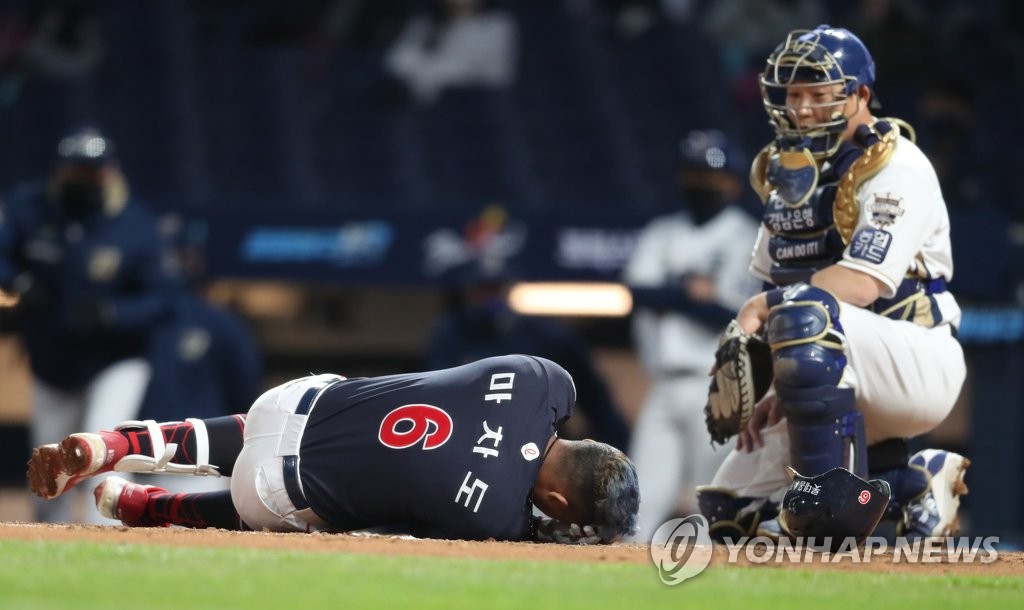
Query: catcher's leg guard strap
<point>731,516</point>
<point>825,430</point>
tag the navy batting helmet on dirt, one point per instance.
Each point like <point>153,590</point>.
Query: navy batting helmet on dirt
<point>837,504</point>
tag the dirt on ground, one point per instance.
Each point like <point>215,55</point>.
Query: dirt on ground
<point>1007,563</point>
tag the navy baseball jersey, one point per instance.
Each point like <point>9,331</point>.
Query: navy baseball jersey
<point>111,260</point>
<point>452,453</point>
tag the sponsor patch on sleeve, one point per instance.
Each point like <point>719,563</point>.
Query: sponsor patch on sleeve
<point>871,245</point>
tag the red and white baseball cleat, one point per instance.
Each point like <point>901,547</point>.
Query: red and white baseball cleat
<point>56,468</point>
<point>127,502</point>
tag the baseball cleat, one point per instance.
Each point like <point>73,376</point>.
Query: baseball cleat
<point>56,468</point>
<point>127,502</point>
<point>934,513</point>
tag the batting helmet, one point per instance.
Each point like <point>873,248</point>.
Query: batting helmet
<point>825,55</point>
<point>85,146</point>
<point>709,149</point>
<point>837,504</point>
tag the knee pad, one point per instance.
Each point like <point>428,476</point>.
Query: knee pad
<point>807,341</point>
<point>731,516</point>
<point>808,360</point>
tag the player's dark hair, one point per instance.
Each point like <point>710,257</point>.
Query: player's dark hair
<point>606,488</point>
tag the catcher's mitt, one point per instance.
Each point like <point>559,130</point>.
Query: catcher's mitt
<point>743,374</point>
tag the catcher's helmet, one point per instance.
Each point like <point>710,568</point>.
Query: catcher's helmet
<point>85,146</point>
<point>709,149</point>
<point>825,55</point>
<point>837,504</point>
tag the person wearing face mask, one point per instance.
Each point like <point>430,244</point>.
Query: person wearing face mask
<point>92,281</point>
<point>688,277</point>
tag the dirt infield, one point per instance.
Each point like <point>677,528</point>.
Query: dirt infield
<point>1007,564</point>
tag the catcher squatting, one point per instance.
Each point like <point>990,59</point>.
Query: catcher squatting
<point>853,349</point>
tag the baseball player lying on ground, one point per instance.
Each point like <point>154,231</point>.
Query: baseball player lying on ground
<point>459,453</point>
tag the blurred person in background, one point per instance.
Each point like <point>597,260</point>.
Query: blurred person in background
<point>461,43</point>
<point>480,324</point>
<point>205,360</point>
<point>688,276</point>
<point>87,265</point>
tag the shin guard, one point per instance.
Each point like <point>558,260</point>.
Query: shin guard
<point>808,360</point>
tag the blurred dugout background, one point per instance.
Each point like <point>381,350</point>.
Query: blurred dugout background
<point>330,202</point>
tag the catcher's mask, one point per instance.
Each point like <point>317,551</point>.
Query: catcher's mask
<point>825,55</point>
<point>837,504</point>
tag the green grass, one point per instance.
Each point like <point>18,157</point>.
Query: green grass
<point>80,576</point>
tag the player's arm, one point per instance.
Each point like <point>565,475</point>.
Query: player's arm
<point>645,277</point>
<point>676,297</point>
<point>9,239</point>
<point>849,285</point>
<point>15,224</point>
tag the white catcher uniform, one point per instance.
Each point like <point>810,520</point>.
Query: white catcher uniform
<point>670,445</point>
<point>906,373</point>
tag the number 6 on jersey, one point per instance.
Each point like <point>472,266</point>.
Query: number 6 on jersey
<point>409,424</point>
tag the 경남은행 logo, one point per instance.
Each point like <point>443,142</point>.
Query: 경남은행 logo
<point>681,548</point>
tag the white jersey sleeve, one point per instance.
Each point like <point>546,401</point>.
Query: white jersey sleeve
<point>903,227</point>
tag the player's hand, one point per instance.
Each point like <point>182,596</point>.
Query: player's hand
<point>31,294</point>
<point>753,314</point>
<point>700,288</point>
<point>767,413</point>
<point>551,530</point>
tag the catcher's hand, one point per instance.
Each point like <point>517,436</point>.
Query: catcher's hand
<point>551,530</point>
<point>742,375</point>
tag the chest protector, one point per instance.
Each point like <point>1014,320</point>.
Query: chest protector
<point>811,211</point>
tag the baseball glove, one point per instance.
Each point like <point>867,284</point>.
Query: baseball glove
<point>742,376</point>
